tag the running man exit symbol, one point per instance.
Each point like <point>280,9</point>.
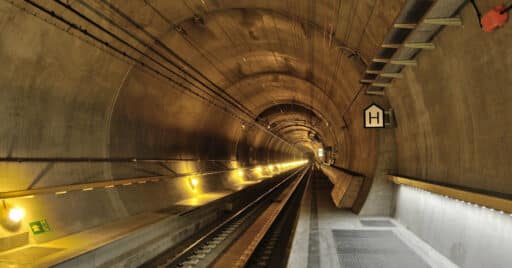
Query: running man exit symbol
<point>374,116</point>
<point>39,227</point>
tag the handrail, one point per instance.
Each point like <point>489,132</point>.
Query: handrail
<point>485,200</point>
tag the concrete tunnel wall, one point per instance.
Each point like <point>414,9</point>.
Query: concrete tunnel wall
<point>454,124</point>
<point>67,97</point>
<point>453,127</point>
<point>62,97</point>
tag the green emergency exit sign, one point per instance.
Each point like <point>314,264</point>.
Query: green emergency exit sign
<point>39,227</point>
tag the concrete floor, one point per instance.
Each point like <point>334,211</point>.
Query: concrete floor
<point>314,242</point>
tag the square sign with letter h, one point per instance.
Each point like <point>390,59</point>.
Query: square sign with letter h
<point>374,116</point>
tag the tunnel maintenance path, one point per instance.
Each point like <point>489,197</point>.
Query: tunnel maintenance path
<point>326,236</point>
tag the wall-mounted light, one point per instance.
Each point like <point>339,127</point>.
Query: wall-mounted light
<point>194,182</point>
<point>240,173</point>
<point>16,214</point>
<point>11,216</point>
<point>258,169</point>
<point>320,152</point>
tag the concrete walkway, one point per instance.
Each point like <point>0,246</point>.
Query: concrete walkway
<point>330,237</point>
<point>146,234</point>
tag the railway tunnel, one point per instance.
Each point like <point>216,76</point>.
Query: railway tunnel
<point>240,133</point>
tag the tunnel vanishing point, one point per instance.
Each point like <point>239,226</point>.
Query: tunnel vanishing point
<point>255,133</point>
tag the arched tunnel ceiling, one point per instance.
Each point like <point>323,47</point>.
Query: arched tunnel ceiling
<point>255,54</point>
<point>185,81</point>
<point>260,92</point>
<point>263,53</point>
<point>295,123</point>
<point>244,57</point>
<point>268,53</point>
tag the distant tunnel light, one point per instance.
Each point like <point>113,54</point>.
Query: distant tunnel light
<point>320,152</point>
<point>240,173</point>
<point>258,169</point>
<point>194,182</point>
<point>16,214</point>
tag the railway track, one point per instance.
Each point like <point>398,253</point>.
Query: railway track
<point>249,237</point>
<point>274,249</point>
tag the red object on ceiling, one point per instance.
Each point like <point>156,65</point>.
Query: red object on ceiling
<point>494,19</point>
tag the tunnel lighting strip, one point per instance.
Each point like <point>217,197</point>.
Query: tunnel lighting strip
<point>86,187</point>
<point>105,160</point>
<point>484,200</point>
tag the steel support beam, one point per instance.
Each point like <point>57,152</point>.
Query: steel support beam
<point>443,21</point>
<point>410,45</point>
<point>396,62</point>
<point>375,92</point>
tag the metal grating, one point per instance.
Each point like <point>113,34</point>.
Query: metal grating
<point>374,248</point>
<point>377,223</point>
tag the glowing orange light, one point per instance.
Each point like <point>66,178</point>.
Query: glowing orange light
<point>16,214</point>
<point>194,182</point>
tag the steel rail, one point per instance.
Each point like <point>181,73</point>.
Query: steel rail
<point>239,253</point>
<point>184,252</point>
<point>274,249</point>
